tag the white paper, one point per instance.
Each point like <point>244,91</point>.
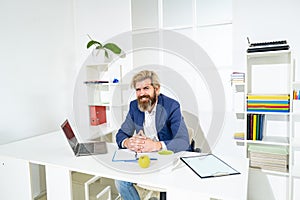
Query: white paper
<point>128,155</point>
<point>208,166</point>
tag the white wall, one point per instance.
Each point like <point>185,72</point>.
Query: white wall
<point>37,66</point>
<point>264,21</point>
<point>101,19</point>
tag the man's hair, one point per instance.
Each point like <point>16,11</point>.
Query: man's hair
<point>145,74</point>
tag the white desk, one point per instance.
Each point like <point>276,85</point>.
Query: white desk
<point>53,151</point>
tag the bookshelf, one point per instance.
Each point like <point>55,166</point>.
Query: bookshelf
<point>267,103</point>
<point>295,140</point>
<point>271,115</point>
<point>106,106</point>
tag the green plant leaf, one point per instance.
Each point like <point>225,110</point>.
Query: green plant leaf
<point>113,47</point>
<point>93,42</point>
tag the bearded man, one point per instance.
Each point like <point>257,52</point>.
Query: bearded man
<point>154,122</point>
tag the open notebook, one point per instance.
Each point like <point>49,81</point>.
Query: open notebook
<point>126,155</point>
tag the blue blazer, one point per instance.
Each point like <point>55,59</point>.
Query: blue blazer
<point>170,125</point>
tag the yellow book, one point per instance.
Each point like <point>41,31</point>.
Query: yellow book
<point>254,127</point>
<point>239,136</point>
<point>267,96</point>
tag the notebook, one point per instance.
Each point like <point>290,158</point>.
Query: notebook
<point>82,149</point>
<point>126,155</point>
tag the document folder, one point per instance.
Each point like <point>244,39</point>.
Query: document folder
<point>208,166</point>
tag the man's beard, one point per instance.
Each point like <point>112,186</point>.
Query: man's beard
<point>146,105</point>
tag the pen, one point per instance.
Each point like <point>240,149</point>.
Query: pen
<point>137,160</point>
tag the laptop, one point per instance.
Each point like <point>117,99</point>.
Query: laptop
<point>82,149</point>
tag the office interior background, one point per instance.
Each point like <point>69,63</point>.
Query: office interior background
<point>43,47</point>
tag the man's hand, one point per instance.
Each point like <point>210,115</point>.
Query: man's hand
<point>140,143</point>
<point>135,142</point>
<point>150,145</point>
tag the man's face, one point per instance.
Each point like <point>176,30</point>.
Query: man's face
<point>146,95</point>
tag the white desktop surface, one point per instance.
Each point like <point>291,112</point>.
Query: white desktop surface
<point>53,150</point>
<point>162,162</point>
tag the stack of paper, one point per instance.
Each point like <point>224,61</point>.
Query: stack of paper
<point>269,157</point>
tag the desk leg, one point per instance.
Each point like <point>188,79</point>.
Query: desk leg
<point>58,181</point>
<point>15,179</point>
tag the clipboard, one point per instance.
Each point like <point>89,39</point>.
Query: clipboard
<point>208,166</point>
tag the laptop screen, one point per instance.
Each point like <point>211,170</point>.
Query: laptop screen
<point>69,134</point>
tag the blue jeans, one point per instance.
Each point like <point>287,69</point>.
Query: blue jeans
<point>127,190</point>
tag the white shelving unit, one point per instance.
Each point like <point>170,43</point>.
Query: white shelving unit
<point>272,73</point>
<point>295,141</point>
<point>105,96</point>
<point>269,73</point>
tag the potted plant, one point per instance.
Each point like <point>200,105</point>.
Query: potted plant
<point>108,48</point>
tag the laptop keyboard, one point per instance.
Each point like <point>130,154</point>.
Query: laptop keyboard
<point>85,149</point>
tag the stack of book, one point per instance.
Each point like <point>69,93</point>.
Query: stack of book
<point>237,77</point>
<point>95,82</point>
<point>273,158</point>
<point>276,45</point>
<point>255,126</point>
<point>268,103</point>
<point>239,136</point>
<point>296,94</point>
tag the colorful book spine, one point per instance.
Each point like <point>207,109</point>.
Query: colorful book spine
<point>249,126</point>
<point>237,77</point>
<point>254,129</point>
<point>296,94</point>
<point>269,97</point>
<point>255,126</point>
<point>261,127</point>
<point>268,103</point>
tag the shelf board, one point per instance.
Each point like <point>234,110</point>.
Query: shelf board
<point>240,115</point>
<point>98,66</point>
<point>270,113</point>
<point>104,83</point>
<point>270,171</point>
<point>101,130</point>
<point>109,104</point>
<point>271,140</point>
<point>296,83</point>
<point>267,53</point>
<point>235,84</point>
<point>100,104</point>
